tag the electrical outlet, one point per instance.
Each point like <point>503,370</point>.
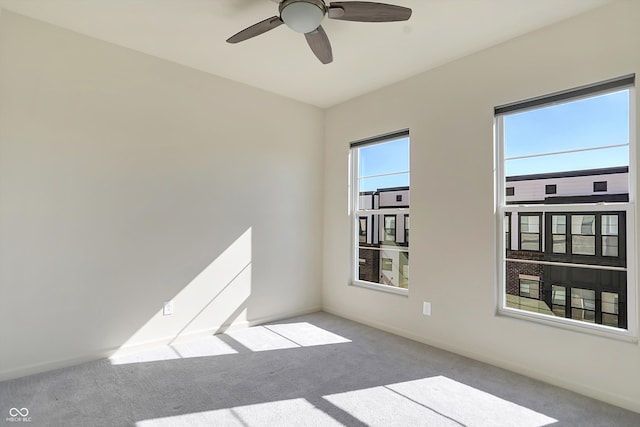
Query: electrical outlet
<point>167,308</point>
<point>426,308</point>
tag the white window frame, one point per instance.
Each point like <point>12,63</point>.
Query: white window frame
<point>355,213</point>
<point>631,333</point>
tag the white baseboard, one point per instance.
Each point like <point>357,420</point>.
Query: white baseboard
<point>23,371</point>
<point>611,398</point>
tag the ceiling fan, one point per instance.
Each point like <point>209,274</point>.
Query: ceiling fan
<point>305,16</point>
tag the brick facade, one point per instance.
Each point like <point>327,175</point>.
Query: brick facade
<point>370,268</point>
<point>515,269</point>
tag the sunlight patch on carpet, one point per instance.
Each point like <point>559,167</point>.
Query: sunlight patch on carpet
<point>436,401</point>
<point>293,412</point>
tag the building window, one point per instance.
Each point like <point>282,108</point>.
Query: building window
<point>576,243</point>
<point>363,229</point>
<point>559,300</point>
<point>507,231</point>
<point>583,305</point>
<point>530,238</point>
<point>389,228</point>
<point>610,241</point>
<point>583,234</point>
<point>609,309</point>
<point>404,270</point>
<point>559,234</point>
<point>406,229</point>
<point>511,191</point>
<point>599,186</point>
<point>380,170</point>
<point>530,288</point>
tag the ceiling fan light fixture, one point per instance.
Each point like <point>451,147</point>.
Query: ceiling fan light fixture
<point>302,16</point>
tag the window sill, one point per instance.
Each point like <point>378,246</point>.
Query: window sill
<point>570,325</point>
<point>381,288</point>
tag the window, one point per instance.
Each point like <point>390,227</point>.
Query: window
<point>559,234</point>
<point>363,229</point>
<point>576,243</point>
<point>593,234</point>
<point>406,229</point>
<point>379,181</point>
<point>610,241</point>
<point>583,234</point>
<point>610,309</point>
<point>530,288</point>
<point>559,300</point>
<point>600,186</point>
<point>507,231</point>
<point>389,228</point>
<point>530,232</point>
<point>583,305</point>
<point>511,191</point>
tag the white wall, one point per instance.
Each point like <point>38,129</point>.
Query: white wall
<point>449,112</point>
<point>126,181</point>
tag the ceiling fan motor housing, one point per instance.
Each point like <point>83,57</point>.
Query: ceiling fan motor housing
<point>302,16</point>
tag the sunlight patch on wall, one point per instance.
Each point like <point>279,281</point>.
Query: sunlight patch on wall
<point>215,297</point>
<point>435,401</point>
<point>284,412</point>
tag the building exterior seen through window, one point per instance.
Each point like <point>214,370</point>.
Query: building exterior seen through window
<point>564,203</point>
<point>380,200</point>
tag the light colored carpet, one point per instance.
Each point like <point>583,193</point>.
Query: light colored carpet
<point>314,370</point>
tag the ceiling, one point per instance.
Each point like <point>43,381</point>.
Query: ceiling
<point>367,56</point>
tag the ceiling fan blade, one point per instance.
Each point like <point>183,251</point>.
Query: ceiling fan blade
<point>365,11</point>
<point>256,29</point>
<point>320,45</point>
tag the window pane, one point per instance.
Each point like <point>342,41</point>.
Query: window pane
<point>609,225</point>
<point>584,315</point>
<point>529,288</point>
<point>559,295</point>
<point>530,242</point>
<point>583,305</point>
<point>610,319</point>
<point>558,224</point>
<point>403,270</point>
<point>583,245</point>
<point>583,224</point>
<point>610,302</point>
<point>507,231</point>
<point>387,264</point>
<point>363,229</point>
<point>609,246</point>
<point>383,158</point>
<point>530,224</point>
<point>593,121</point>
<point>389,229</point>
<point>406,229</point>
<point>558,300</point>
<point>559,244</point>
